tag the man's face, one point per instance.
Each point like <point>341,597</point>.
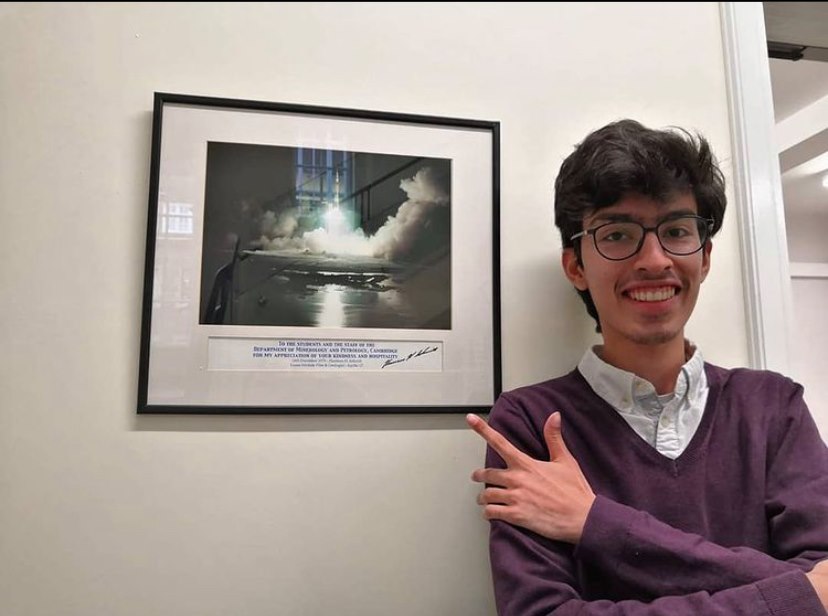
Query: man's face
<point>647,298</point>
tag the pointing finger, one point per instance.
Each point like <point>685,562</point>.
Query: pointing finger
<point>510,454</point>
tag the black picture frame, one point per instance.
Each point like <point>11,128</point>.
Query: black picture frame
<point>308,259</point>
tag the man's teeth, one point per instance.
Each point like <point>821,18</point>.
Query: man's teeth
<point>652,295</point>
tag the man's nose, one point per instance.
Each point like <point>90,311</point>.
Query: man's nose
<point>652,257</point>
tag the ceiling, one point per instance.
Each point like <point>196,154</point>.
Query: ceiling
<point>797,30</point>
<point>797,85</point>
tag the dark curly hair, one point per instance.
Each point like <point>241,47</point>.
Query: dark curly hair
<point>626,158</point>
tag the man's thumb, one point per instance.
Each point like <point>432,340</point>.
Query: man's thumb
<point>552,435</point>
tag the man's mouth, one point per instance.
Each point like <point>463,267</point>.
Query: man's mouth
<point>657,294</point>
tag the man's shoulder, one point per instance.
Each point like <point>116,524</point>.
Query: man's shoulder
<point>755,394</point>
<point>520,414</point>
<point>564,385</point>
<point>747,379</point>
<point>539,400</point>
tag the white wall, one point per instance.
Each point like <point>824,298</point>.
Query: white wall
<point>103,512</point>
<point>810,339</point>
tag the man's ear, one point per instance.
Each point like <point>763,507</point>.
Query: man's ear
<point>573,270</point>
<point>708,248</point>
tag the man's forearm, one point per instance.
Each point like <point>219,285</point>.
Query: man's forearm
<point>782,595</point>
<point>660,560</point>
<point>537,577</point>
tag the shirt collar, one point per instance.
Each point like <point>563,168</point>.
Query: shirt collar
<point>624,390</point>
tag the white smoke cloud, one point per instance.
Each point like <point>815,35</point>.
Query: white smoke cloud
<point>391,241</point>
<point>321,241</point>
<point>283,225</point>
<point>396,237</point>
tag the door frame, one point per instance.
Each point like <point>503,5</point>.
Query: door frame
<point>757,186</point>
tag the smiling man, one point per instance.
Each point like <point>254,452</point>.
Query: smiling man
<point>647,481</point>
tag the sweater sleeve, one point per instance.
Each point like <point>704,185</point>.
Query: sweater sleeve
<point>534,575</point>
<point>656,558</point>
<point>537,577</point>
<point>796,503</point>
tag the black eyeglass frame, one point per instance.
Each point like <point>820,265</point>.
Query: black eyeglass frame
<point>709,222</point>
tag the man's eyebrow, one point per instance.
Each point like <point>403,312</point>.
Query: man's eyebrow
<point>610,217</point>
<point>619,217</point>
<point>677,213</point>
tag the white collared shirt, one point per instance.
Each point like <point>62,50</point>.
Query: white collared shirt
<point>666,422</point>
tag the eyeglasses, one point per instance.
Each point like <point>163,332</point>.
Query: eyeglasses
<point>682,235</point>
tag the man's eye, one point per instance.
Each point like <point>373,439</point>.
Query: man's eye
<point>615,235</point>
<point>676,232</point>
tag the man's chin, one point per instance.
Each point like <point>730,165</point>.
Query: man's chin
<point>655,337</point>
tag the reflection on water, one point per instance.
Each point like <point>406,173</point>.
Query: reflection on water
<point>337,306</point>
<point>331,312</point>
<point>299,290</point>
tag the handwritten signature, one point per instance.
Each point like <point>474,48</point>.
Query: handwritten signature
<point>423,351</point>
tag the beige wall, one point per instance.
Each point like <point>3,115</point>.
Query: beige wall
<point>102,512</point>
<point>806,229</point>
<point>806,235</point>
<point>809,342</point>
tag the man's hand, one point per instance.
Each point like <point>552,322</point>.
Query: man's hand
<point>551,498</point>
<point>818,577</point>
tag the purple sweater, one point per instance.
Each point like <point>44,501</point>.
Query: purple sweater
<point>729,527</point>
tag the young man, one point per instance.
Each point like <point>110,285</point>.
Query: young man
<point>689,489</point>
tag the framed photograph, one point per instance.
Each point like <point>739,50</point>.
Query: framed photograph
<point>307,259</point>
